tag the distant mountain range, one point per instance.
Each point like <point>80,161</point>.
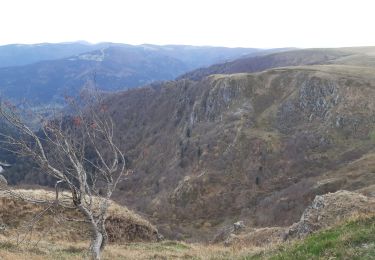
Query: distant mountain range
<point>43,73</point>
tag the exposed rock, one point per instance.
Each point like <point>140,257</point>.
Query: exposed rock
<point>325,211</point>
<point>238,225</point>
<point>256,237</point>
<point>330,209</point>
<point>3,181</point>
<point>226,232</point>
<point>317,96</point>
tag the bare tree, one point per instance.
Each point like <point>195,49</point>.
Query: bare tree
<point>79,151</point>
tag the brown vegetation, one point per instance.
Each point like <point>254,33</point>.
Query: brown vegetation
<point>253,147</point>
<point>16,215</point>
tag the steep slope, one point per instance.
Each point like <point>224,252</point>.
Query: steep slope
<point>245,146</point>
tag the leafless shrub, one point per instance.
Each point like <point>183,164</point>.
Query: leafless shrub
<point>78,150</point>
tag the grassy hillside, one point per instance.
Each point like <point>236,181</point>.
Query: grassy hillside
<point>352,240</point>
<point>359,56</point>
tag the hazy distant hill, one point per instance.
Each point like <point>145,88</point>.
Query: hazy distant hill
<point>201,56</point>
<point>111,66</point>
<point>23,54</point>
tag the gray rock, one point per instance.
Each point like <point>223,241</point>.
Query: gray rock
<point>238,225</point>
<point>3,181</point>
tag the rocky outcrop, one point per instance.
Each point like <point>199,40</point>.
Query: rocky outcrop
<point>226,233</point>
<point>325,211</point>
<point>329,210</point>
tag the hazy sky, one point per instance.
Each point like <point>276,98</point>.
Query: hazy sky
<point>251,23</point>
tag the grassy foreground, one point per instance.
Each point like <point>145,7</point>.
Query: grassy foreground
<point>133,251</point>
<point>352,240</point>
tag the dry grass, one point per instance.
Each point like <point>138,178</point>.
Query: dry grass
<point>71,241</point>
<point>131,251</point>
<point>122,224</point>
<point>64,247</point>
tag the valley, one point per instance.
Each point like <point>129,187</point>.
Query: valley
<point>255,140</point>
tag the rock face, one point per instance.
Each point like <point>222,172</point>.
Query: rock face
<point>330,209</point>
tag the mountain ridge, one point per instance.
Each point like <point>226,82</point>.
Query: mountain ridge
<point>355,56</point>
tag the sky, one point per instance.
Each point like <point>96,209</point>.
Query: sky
<point>234,23</point>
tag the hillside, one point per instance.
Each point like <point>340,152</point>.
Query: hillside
<point>57,224</point>
<point>351,240</point>
<point>254,147</point>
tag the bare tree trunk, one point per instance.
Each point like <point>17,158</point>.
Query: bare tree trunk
<point>99,234</point>
<point>96,244</point>
<point>105,235</point>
